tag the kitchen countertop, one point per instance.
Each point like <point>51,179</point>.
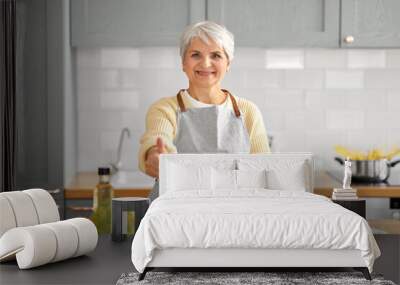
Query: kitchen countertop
<point>84,183</point>
<point>324,183</point>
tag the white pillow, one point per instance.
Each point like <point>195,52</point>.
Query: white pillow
<point>182,177</point>
<point>251,178</point>
<point>288,178</point>
<point>223,179</point>
<point>236,179</point>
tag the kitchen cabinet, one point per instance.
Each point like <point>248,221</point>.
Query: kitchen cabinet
<point>255,23</point>
<point>284,23</point>
<point>132,22</point>
<point>370,23</point>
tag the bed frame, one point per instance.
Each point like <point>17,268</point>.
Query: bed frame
<point>259,259</point>
<point>248,259</point>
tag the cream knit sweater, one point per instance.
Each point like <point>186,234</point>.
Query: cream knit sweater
<point>161,122</point>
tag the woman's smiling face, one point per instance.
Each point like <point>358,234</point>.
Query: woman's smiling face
<point>205,64</point>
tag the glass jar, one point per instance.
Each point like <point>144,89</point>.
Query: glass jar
<point>102,196</point>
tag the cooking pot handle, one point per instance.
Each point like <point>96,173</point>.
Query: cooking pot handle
<point>340,160</point>
<point>393,163</point>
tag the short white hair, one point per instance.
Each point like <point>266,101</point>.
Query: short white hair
<point>207,30</point>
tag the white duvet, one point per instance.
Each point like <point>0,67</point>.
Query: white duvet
<point>250,219</point>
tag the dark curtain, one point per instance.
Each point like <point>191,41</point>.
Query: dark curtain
<point>8,95</point>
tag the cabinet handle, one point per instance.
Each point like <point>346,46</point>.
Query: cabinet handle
<point>349,39</point>
<point>55,191</point>
<point>76,208</point>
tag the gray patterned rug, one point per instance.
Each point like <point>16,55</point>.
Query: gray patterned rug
<point>270,278</point>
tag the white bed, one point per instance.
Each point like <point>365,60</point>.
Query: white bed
<point>230,210</point>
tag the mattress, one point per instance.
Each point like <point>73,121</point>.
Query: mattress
<point>250,219</point>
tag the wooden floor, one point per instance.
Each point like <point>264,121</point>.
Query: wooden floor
<point>102,266</point>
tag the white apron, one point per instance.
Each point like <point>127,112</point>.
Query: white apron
<point>214,129</point>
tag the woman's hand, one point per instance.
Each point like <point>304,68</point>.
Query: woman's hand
<point>153,157</point>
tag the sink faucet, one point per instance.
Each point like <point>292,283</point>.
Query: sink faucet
<point>117,165</point>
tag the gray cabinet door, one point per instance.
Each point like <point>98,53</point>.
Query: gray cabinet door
<point>132,22</point>
<point>279,23</point>
<point>371,23</point>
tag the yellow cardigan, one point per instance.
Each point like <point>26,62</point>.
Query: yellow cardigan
<point>161,122</point>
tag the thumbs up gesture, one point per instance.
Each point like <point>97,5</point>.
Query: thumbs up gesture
<point>160,146</point>
<point>153,158</point>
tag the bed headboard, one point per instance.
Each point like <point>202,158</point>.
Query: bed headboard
<point>276,161</point>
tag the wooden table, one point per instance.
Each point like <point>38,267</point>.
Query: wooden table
<point>84,183</point>
<point>325,182</point>
<point>79,193</point>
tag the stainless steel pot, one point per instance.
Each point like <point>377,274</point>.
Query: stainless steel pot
<point>370,170</point>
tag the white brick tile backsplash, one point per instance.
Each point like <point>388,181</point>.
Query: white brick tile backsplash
<point>248,58</point>
<point>344,79</point>
<point>234,79</point>
<point>282,99</point>
<point>273,121</point>
<point>88,139</point>
<point>376,120</point>
<point>289,141</point>
<point>325,58</point>
<point>305,120</point>
<point>110,79</point>
<point>88,100</point>
<point>324,141</point>
<point>120,58</point>
<point>173,79</point>
<point>364,141</point>
<point>101,120</point>
<point>393,137</point>
<point>394,99</point>
<point>315,100</point>
<point>285,59</point>
<point>129,159</point>
<point>342,120</point>
<point>88,57</point>
<point>393,120</point>
<point>347,99</point>
<point>119,100</point>
<point>393,58</point>
<point>366,58</point>
<point>295,120</point>
<point>135,121</point>
<point>166,57</point>
<point>259,78</point>
<point>310,99</point>
<point>255,95</point>
<point>367,100</point>
<point>109,140</point>
<point>129,78</point>
<point>385,78</point>
<point>89,120</point>
<point>307,79</point>
<point>88,78</point>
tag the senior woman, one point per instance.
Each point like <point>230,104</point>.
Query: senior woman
<point>202,118</point>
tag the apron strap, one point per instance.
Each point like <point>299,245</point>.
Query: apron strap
<point>234,103</point>
<point>180,101</point>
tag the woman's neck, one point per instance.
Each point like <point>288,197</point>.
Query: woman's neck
<point>208,95</point>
